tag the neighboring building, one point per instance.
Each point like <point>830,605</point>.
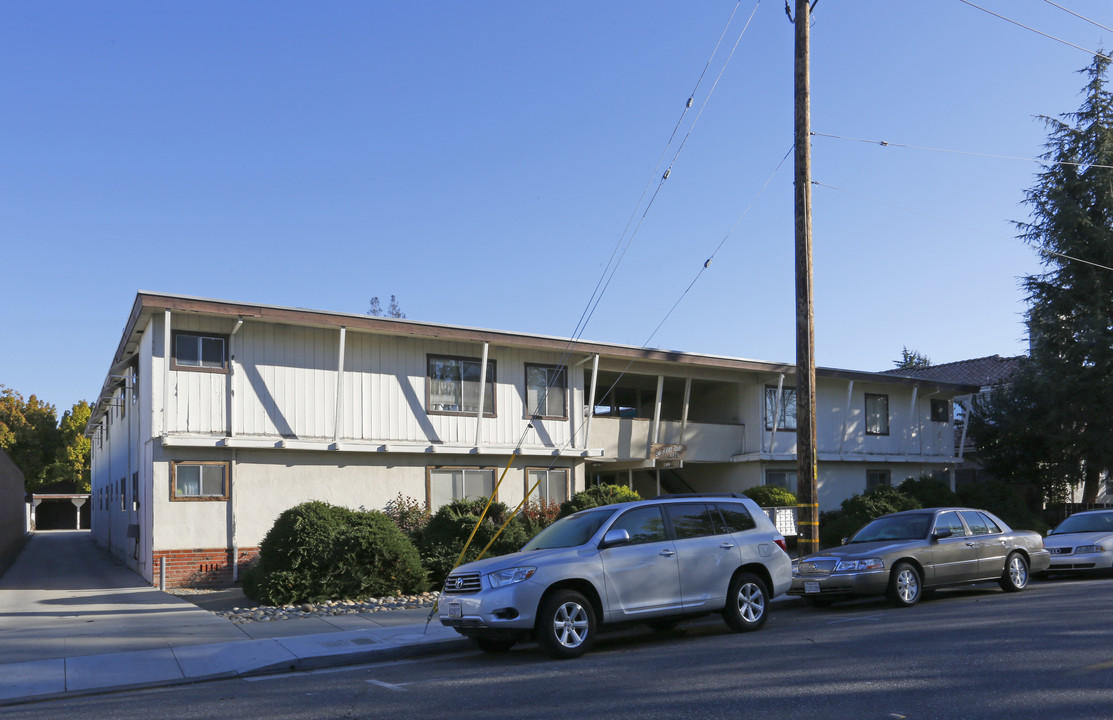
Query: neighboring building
<point>13,511</point>
<point>60,506</point>
<point>217,416</point>
<point>985,373</point>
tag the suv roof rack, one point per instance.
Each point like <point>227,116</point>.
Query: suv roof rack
<point>669,496</point>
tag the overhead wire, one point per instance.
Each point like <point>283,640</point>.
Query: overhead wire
<point>886,143</point>
<point>958,225</point>
<point>1077,15</point>
<point>1038,32</point>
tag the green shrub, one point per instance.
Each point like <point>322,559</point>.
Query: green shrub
<point>856,511</point>
<point>770,496</point>
<point>596,496</point>
<point>442,539</point>
<point>316,551</point>
<point>929,491</point>
<point>1003,500</point>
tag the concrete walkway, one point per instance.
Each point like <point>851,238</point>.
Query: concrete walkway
<point>73,620</point>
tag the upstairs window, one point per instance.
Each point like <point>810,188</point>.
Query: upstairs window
<point>785,412</point>
<point>877,414</point>
<point>453,386</point>
<point>198,351</point>
<point>940,411</point>
<point>546,392</point>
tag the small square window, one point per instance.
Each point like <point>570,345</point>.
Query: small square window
<point>197,351</point>
<point>878,478</point>
<point>546,391</point>
<point>940,411</point>
<point>552,485</point>
<point>784,413</point>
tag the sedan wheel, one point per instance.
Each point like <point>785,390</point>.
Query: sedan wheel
<point>746,601</point>
<point>566,625</point>
<point>1016,573</point>
<point>905,586</point>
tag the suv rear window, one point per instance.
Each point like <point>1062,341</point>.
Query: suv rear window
<point>737,517</point>
<point>691,521</point>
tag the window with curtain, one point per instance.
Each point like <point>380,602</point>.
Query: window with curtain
<point>448,484</point>
<point>877,414</point>
<point>200,481</point>
<point>552,484</point>
<point>453,386</point>
<point>546,391</point>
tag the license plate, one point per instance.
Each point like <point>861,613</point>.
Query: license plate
<point>811,587</point>
<point>454,610</point>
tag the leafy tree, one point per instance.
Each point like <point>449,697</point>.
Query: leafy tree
<point>857,510</point>
<point>394,310</point>
<point>1052,424</point>
<point>911,359</point>
<point>929,492</point>
<point>44,451</point>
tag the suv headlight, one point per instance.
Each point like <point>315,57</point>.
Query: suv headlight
<point>510,576</point>
<point>1086,549</point>
<point>866,564</point>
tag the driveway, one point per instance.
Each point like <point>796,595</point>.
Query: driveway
<point>65,597</point>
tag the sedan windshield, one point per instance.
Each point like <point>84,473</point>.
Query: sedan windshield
<point>894,527</point>
<point>571,531</point>
<point>1089,523</point>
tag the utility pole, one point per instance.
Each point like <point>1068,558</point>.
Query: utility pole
<point>807,520</point>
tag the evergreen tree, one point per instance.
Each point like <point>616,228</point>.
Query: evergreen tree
<point>1061,401</point>
<point>911,359</point>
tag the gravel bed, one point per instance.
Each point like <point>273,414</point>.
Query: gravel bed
<point>267,613</point>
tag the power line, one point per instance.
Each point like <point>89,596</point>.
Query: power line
<point>1080,17</point>
<point>1043,251</point>
<point>886,143</point>
<point>1038,32</point>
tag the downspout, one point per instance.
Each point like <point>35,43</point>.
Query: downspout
<point>165,371</point>
<point>684,411</point>
<point>846,416</point>
<point>229,390</point>
<point>778,399</point>
<point>913,417</point>
<point>657,413</point>
<point>591,399</point>
<point>339,388</point>
<point>482,395</point>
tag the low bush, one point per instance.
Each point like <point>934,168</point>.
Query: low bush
<point>316,551</point>
<point>770,496</point>
<point>442,539</point>
<point>857,510</point>
<point>408,514</point>
<point>536,515</point>
<point>596,496</point>
<point>929,491</point>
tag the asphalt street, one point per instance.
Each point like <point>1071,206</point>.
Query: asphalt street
<point>1045,653</point>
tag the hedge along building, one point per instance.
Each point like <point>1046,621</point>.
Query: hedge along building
<point>216,416</point>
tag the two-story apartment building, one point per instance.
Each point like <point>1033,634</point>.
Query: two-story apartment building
<point>217,416</point>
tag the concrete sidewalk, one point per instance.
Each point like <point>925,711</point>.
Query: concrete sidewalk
<point>74,621</point>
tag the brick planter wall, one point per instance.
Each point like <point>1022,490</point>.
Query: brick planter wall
<point>200,567</point>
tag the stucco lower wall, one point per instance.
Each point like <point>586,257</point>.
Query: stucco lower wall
<point>264,483</point>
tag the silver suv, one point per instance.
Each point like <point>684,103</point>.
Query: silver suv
<point>654,561</point>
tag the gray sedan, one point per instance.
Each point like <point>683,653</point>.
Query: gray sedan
<point>903,554</point>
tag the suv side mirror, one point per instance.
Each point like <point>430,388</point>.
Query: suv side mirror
<point>940,534</point>
<point>614,537</point>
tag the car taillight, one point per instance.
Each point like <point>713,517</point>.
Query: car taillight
<point>781,541</point>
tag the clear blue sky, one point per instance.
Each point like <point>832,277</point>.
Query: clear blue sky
<point>480,160</point>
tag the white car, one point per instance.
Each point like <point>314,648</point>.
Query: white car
<point>1084,541</point>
